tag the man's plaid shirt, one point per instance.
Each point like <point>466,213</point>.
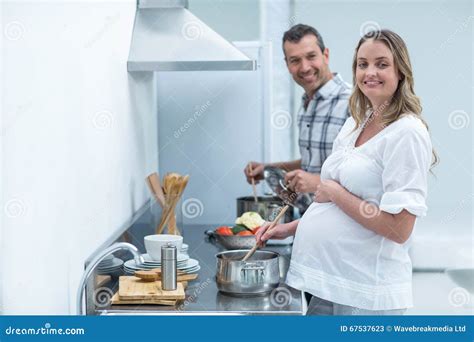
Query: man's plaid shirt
<point>320,123</point>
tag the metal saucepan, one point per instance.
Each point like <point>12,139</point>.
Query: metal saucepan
<point>258,275</point>
<point>267,206</point>
<point>233,241</point>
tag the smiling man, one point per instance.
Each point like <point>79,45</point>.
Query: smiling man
<point>323,111</point>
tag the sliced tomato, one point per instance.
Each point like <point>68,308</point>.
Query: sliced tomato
<point>245,232</point>
<point>224,230</point>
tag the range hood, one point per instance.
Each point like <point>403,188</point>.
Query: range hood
<point>168,37</point>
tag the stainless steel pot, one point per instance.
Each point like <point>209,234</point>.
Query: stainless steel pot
<point>258,275</point>
<point>267,206</point>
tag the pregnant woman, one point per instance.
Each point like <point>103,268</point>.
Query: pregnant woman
<point>350,253</point>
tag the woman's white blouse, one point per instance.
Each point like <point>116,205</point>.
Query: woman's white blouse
<point>336,258</point>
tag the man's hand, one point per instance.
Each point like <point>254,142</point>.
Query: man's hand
<point>256,173</point>
<point>302,181</point>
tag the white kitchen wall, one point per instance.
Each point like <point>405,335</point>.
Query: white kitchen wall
<point>275,19</point>
<point>210,125</point>
<point>79,135</point>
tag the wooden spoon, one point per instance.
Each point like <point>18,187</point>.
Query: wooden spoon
<point>176,187</point>
<point>154,184</point>
<point>272,225</point>
<point>254,188</point>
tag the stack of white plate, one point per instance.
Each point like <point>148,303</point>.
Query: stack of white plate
<point>184,263</point>
<point>110,265</point>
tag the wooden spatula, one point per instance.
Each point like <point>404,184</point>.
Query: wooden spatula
<point>272,225</point>
<point>254,188</point>
<point>153,181</point>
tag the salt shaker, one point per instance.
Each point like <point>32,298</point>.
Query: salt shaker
<point>168,267</point>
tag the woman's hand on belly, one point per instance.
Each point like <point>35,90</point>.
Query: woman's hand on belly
<point>280,231</point>
<point>326,190</point>
<point>396,227</point>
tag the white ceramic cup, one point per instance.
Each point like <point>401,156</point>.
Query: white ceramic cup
<point>154,242</point>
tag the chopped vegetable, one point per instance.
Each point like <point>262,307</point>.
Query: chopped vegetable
<point>250,219</point>
<point>238,228</point>
<point>224,230</point>
<point>245,233</point>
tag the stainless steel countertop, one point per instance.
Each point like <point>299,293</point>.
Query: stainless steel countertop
<point>202,296</point>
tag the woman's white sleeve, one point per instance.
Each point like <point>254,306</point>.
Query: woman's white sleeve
<point>406,159</point>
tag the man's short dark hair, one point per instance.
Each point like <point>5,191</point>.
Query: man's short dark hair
<point>295,33</point>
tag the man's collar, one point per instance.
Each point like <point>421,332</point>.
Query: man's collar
<point>328,88</point>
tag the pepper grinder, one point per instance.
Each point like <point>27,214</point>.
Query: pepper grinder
<point>168,267</point>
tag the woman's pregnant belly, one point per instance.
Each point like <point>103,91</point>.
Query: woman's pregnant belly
<point>327,239</point>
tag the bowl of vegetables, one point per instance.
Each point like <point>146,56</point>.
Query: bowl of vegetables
<point>242,234</point>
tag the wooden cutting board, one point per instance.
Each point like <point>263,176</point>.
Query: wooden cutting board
<point>117,301</point>
<point>133,288</point>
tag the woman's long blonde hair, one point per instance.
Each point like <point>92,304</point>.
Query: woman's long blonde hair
<point>404,101</point>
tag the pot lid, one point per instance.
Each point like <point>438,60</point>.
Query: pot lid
<point>275,178</point>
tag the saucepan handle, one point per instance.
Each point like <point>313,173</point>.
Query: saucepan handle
<point>252,273</point>
<point>283,186</point>
<point>209,232</point>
